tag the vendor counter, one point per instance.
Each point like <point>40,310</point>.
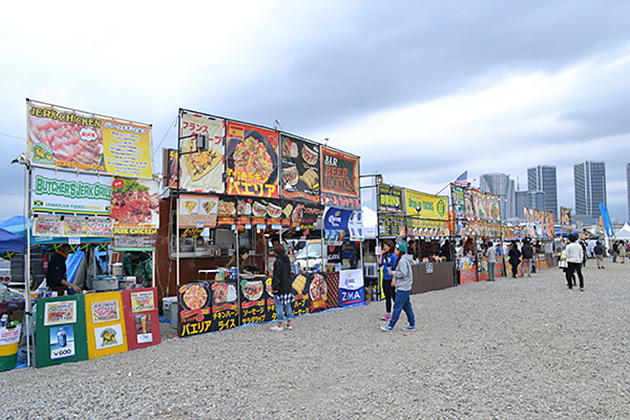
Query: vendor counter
<point>431,276</point>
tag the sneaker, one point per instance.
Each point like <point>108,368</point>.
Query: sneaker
<point>386,328</point>
<point>289,327</point>
<point>581,289</point>
<point>277,328</point>
<point>386,317</point>
<point>409,328</point>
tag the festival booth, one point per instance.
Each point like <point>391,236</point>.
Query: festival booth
<point>231,185</point>
<point>426,220</point>
<point>92,187</point>
<point>475,218</point>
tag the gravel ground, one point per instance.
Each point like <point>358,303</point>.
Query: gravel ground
<point>523,348</point>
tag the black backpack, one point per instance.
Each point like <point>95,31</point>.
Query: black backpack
<point>528,251</point>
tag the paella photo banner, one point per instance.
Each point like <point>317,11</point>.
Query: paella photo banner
<point>425,206</point>
<point>201,171</point>
<point>252,161</point>
<point>63,137</point>
<point>340,179</point>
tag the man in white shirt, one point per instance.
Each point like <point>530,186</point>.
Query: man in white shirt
<point>491,255</point>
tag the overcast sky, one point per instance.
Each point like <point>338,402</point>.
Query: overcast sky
<point>421,90</point>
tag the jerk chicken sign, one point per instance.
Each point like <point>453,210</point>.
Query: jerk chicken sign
<point>340,179</point>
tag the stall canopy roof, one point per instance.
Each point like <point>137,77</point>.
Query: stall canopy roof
<point>624,232</point>
<point>370,222</point>
<point>10,241</point>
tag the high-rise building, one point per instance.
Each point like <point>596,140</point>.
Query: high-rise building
<point>535,200</point>
<point>520,203</point>
<point>543,178</point>
<point>503,187</point>
<point>589,178</point>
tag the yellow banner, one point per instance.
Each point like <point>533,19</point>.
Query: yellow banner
<point>425,206</point>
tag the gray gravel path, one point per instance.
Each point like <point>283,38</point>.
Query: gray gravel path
<point>513,349</point>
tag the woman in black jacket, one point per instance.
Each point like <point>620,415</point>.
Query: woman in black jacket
<point>282,286</point>
<point>515,258</point>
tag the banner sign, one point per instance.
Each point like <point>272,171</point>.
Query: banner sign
<point>202,171</point>
<point>198,209</point>
<point>565,217</point>
<point>336,219</point>
<point>60,312</point>
<point>300,169</point>
<point>425,206</point>
<point>255,296</point>
<point>63,137</point>
<point>540,223</point>
<point>390,199</point>
<point>134,211</point>
<point>458,202</point>
<point>351,290</point>
<point>195,312</point>
<point>340,179</point>
<point>225,308</point>
<point>486,207</point>
<point>421,227</point>
<point>71,226</point>
<point>251,161</point>
<point>70,192</point>
<point>170,167</point>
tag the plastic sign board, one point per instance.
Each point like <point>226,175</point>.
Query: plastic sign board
<point>106,330</point>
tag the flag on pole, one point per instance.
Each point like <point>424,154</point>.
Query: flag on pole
<point>462,180</point>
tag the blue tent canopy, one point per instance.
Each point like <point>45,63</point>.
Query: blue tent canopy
<point>11,242</point>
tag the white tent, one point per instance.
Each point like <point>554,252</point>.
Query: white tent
<point>370,223</point>
<point>624,232</point>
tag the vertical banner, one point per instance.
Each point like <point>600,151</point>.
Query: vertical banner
<point>63,137</point>
<point>195,311</point>
<point>318,292</point>
<point>351,290</point>
<point>225,308</point>
<point>106,330</point>
<point>301,296</point>
<point>252,161</point>
<point>202,171</point>
<point>300,169</point>
<point>255,294</point>
<point>340,179</point>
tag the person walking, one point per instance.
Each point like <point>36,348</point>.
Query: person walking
<point>615,251</point>
<point>491,255</point>
<point>527,251</point>
<point>574,256</point>
<point>515,258</point>
<point>622,251</point>
<point>281,287</point>
<point>56,279</point>
<point>599,254</point>
<point>402,281</point>
<point>387,261</point>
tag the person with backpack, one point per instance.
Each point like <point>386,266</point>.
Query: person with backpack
<point>528,254</point>
<point>599,254</point>
<point>515,258</point>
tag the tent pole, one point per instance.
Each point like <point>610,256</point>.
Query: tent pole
<point>27,275</point>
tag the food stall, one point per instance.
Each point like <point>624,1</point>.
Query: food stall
<point>476,219</point>
<point>245,187</point>
<point>92,187</point>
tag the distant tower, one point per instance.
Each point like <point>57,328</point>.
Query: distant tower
<point>503,187</point>
<point>589,179</point>
<point>543,178</point>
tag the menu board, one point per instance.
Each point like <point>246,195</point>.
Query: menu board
<point>390,199</point>
<point>252,161</point>
<point>134,211</point>
<point>201,171</point>
<point>301,297</point>
<point>226,212</point>
<point>195,310</point>
<point>340,179</point>
<point>255,294</point>
<point>318,292</point>
<point>422,227</point>
<point>63,137</point>
<point>225,308</point>
<point>70,192</point>
<point>390,226</point>
<point>47,226</point>
<point>300,169</point>
<point>198,211</point>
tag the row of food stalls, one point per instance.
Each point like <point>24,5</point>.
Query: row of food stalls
<point>228,185</point>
